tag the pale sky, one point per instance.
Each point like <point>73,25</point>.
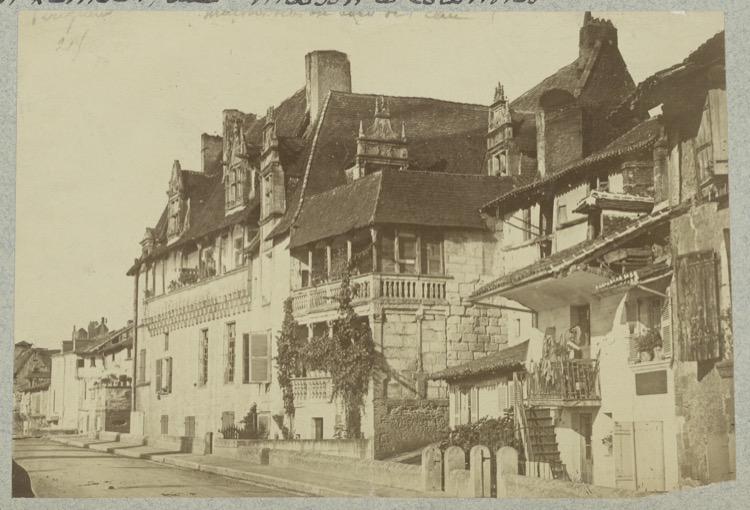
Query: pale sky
<point>106,103</point>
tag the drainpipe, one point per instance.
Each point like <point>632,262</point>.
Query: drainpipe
<point>419,318</point>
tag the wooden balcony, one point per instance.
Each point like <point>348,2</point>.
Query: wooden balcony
<point>308,390</point>
<point>368,287</point>
<point>573,382</point>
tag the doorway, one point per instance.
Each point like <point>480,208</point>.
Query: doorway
<point>318,428</point>
<point>585,429</point>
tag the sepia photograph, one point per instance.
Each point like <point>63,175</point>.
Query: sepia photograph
<point>397,255</point>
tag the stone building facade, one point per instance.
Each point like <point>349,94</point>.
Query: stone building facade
<point>329,176</point>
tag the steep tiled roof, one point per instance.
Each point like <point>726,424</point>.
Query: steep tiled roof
<point>506,360</point>
<point>649,92</point>
<point>566,79</point>
<point>441,136</point>
<point>397,197</point>
<point>580,253</point>
<point>638,138</point>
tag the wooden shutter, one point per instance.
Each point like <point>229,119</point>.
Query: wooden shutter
<point>624,451</point>
<point>260,369</point>
<point>456,406</point>
<point>158,375</point>
<point>698,309</point>
<point>169,374</point>
<point>201,380</point>
<point>718,107</point>
<point>631,317</point>
<point>245,357</point>
<point>666,328</point>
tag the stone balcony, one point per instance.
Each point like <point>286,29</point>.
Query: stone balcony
<point>308,390</point>
<point>406,289</point>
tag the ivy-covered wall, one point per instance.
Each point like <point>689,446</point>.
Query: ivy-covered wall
<point>406,425</point>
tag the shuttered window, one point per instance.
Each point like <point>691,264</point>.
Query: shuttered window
<point>158,375</point>
<point>245,358</point>
<point>229,352</point>
<point>260,359</point>
<point>142,366</point>
<point>697,307</point>
<point>203,357</point>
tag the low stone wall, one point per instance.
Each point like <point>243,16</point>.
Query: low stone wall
<point>512,485</point>
<point>389,474</point>
<point>403,425</point>
<point>180,443</point>
<point>458,483</point>
<point>239,448</point>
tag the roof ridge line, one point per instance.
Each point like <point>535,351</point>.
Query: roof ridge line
<point>311,156</point>
<point>374,95</point>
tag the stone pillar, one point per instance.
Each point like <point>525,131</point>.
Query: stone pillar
<point>480,469</point>
<point>507,464</point>
<point>432,469</point>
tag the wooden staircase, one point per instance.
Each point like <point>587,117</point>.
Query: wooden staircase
<point>542,441</point>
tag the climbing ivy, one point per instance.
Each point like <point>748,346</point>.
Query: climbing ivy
<point>287,358</point>
<point>347,352</point>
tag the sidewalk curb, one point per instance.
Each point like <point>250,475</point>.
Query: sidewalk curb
<point>273,481</point>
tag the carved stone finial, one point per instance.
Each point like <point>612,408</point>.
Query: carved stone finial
<point>403,131</point>
<point>499,92</point>
<point>381,107</point>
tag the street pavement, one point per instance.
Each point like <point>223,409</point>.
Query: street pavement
<point>61,471</point>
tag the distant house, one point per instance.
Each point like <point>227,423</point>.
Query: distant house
<point>31,380</point>
<point>625,273</point>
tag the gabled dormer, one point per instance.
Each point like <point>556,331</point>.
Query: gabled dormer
<point>500,135</point>
<point>177,203</point>
<point>273,194</point>
<point>379,146</point>
<point>238,181</point>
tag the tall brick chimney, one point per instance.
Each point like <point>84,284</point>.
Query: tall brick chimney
<point>325,71</point>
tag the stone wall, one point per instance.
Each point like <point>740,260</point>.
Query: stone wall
<point>240,448</point>
<point>405,425</point>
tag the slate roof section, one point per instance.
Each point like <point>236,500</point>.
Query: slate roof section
<point>507,360</point>
<point>641,137</point>
<point>580,253</point>
<point>648,93</point>
<point>397,197</point>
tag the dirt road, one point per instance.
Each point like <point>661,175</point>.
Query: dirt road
<point>68,472</point>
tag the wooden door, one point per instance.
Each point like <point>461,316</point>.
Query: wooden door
<point>585,421</point>
<point>623,448</point>
<point>318,424</point>
<point>649,455</point>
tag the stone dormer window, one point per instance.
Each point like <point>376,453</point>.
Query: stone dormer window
<point>379,145</point>
<point>176,204</point>
<point>499,134</point>
<point>238,167</point>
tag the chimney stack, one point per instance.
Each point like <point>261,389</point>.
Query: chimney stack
<point>593,31</point>
<point>211,153</point>
<point>325,71</point>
